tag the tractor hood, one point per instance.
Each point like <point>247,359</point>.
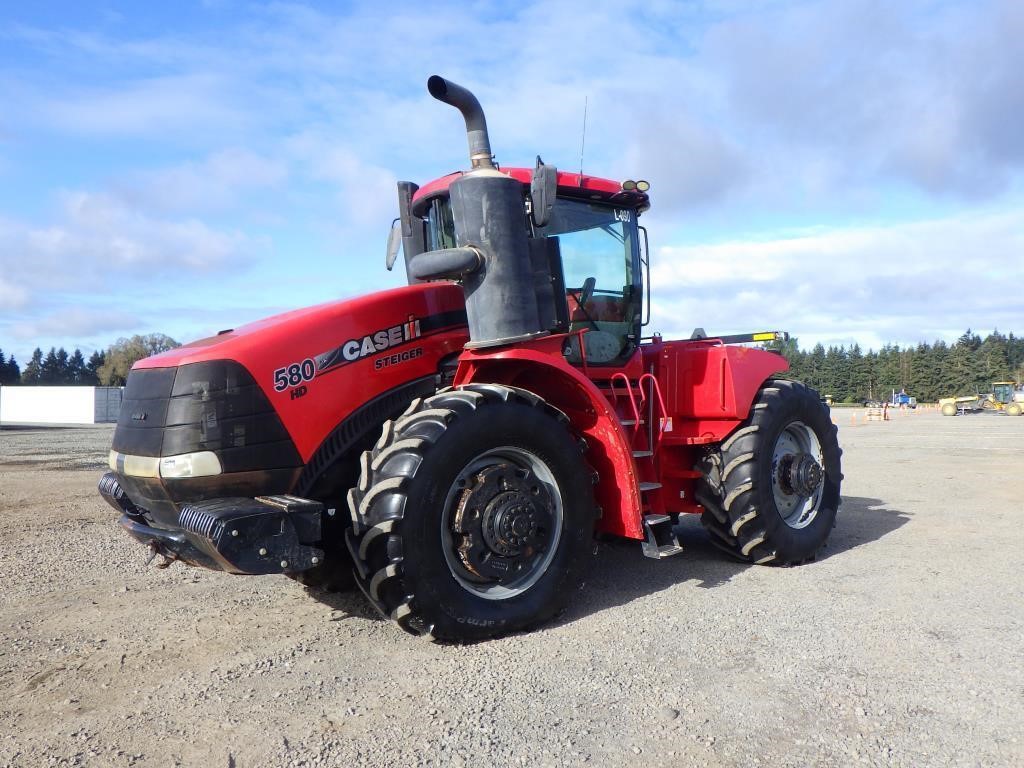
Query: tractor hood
<point>311,368</point>
<point>323,323</point>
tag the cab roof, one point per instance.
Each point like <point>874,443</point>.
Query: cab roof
<point>569,185</point>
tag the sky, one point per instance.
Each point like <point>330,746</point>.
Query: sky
<point>848,171</point>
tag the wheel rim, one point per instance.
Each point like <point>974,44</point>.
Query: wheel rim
<point>798,475</point>
<point>502,523</point>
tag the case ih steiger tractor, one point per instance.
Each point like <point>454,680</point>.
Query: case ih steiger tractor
<point>453,446</point>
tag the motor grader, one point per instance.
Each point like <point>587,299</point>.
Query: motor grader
<point>453,446</point>
<point>1006,396</point>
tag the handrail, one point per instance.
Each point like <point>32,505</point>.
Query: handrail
<point>656,388</point>
<point>629,393</point>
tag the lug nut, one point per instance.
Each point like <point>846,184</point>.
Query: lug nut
<point>263,551</point>
<point>284,563</point>
<point>330,512</point>
<point>234,532</point>
<point>314,560</point>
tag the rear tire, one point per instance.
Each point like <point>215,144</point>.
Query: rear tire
<point>771,490</point>
<point>474,514</point>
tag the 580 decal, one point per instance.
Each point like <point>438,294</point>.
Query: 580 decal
<point>295,374</point>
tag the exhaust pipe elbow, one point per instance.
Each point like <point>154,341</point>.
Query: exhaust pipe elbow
<point>476,124</point>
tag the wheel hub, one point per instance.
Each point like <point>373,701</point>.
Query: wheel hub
<point>502,522</point>
<point>800,474</point>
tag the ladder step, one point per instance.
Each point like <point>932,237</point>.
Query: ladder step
<point>630,422</point>
<point>665,550</point>
<point>659,538</point>
<point>645,486</point>
<point>642,454</point>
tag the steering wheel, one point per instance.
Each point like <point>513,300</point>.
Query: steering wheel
<point>583,296</point>
<point>587,291</point>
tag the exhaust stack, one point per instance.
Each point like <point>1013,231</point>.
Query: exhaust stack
<point>492,258</point>
<point>476,124</point>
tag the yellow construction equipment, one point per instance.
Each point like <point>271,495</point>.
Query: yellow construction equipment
<point>1006,396</point>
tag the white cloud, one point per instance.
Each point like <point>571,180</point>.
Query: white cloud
<point>98,241</point>
<point>178,108</point>
<point>902,283</point>
<point>217,182</point>
<point>74,323</point>
<point>364,192</point>
<point>12,296</point>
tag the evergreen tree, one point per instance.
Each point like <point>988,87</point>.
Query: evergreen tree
<point>63,376</point>
<point>96,360</point>
<point>860,376</point>
<point>970,340</point>
<point>1015,357</point>
<point>928,381</point>
<point>993,362</point>
<point>833,377</point>
<point>13,373</point>
<point>50,372</point>
<point>816,367</point>
<point>76,368</point>
<point>888,371</point>
<point>34,368</point>
<point>959,370</point>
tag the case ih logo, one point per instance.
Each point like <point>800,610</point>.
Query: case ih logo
<point>378,341</point>
<point>356,349</point>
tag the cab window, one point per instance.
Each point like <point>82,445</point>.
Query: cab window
<point>599,246</point>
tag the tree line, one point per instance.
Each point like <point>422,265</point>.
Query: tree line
<point>925,371</point>
<point>108,368</point>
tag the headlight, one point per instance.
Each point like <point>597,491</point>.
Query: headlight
<point>201,464</point>
<point>198,464</point>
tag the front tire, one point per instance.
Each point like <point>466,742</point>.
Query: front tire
<point>474,514</point>
<point>771,490</point>
<point>1013,409</point>
<point>948,409</point>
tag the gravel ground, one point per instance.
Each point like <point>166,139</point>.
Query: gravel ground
<point>901,645</point>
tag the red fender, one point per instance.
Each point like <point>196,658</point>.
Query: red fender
<point>539,366</point>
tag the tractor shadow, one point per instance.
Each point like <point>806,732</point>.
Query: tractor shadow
<point>862,521</point>
<point>621,574</point>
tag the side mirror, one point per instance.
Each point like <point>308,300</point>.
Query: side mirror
<point>543,190</point>
<point>394,243</point>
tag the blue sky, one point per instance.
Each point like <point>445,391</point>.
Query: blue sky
<point>847,171</point>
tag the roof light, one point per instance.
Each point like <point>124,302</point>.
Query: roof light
<point>628,185</point>
<point>643,186</point>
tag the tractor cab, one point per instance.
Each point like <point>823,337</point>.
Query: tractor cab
<point>599,254</point>
<point>1002,391</point>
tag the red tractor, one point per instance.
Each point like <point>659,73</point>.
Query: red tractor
<point>454,445</point>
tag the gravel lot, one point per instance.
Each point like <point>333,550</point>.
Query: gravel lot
<point>902,645</point>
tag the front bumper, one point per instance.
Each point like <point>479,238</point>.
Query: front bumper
<point>262,535</point>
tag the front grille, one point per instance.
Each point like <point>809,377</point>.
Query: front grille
<point>200,523</point>
<point>210,406</point>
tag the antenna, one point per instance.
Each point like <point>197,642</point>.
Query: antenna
<point>583,140</point>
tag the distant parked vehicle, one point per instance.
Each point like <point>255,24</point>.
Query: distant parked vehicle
<point>1006,396</point>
